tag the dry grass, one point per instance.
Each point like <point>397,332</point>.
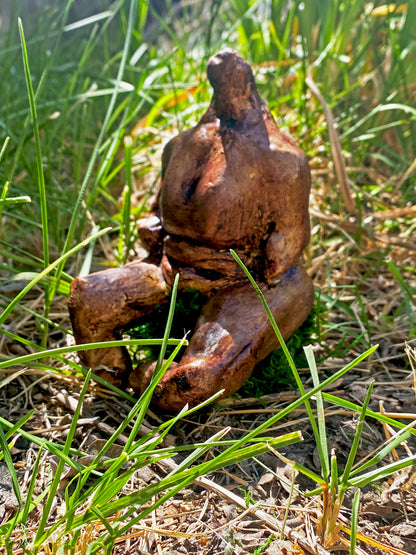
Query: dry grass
<point>239,508</point>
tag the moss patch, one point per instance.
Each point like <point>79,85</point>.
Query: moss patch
<point>187,308</point>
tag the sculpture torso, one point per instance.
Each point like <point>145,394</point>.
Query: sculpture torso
<point>231,183</point>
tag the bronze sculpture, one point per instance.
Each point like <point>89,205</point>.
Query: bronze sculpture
<point>233,181</point>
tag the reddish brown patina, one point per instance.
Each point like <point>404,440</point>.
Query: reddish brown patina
<point>233,181</point>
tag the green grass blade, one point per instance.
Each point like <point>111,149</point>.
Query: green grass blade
<point>156,436</point>
<point>13,200</point>
<point>393,443</point>
<point>139,444</point>
<point>236,452</point>
<point>88,257</point>
<point>357,437</point>
<point>4,148</point>
<point>10,466</point>
<point>134,501</point>
<point>4,192</point>
<point>37,440</point>
<point>322,444</point>
<point>88,21</point>
<point>21,422</point>
<point>62,287</point>
<point>184,478</point>
<point>287,410</point>
<point>51,58</point>
<point>126,210</point>
<point>377,110</point>
<point>39,162</point>
<point>160,368</point>
<point>381,473</point>
<point>40,534</point>
<point>50,353</point>
<point>110,485</point>
<point>104,129</point>
<point>102,518</point>
<point>271,318</point>
<point>249,451</point>
<point>299,467</point>
<point>355,511</point>
<point>334,482</point>
<point>7,529</point>
<point>333,399</point>
<point>408,293</point>
<point>3,199</point>
<point>197,453</point>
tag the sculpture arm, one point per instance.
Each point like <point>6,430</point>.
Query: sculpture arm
<point>151,233</point>
<point>283,250</point>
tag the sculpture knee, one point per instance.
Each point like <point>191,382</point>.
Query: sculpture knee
<point>104,304</point>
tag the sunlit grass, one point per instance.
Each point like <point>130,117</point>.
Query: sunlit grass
<point>86,108</point>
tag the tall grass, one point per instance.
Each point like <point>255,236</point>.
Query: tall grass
<point>72,92</point>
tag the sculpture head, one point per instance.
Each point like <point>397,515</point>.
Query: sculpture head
<point>235,94</point>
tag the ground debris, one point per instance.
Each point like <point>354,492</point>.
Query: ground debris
<point>8,499</point>
<point>344,266</point>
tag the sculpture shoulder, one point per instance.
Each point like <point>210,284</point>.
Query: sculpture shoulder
<point>191,145</point>
<point>267,154</point>
<point>290,161</point>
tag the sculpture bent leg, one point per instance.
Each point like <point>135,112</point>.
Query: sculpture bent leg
<point>232,334</point>
<point>104,304</point>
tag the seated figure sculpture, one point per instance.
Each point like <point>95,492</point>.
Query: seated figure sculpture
<point>233,181</point>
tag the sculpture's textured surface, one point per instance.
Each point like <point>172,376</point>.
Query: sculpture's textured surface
<point>233,181</point>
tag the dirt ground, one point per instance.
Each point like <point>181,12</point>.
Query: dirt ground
<point>202,521</point>
<point>241,509</point>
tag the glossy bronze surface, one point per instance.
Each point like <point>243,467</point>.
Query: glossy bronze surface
<point>233,181</point>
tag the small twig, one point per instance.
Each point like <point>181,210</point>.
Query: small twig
<point>269,520</point>
<point>336,149</point>
<point>154,524</point>
<point>406,174</point>
<point>353,227</point>
<point>387,431</point>
<point>392,213</point>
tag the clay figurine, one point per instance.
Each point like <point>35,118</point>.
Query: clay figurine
<point>233,181</point>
